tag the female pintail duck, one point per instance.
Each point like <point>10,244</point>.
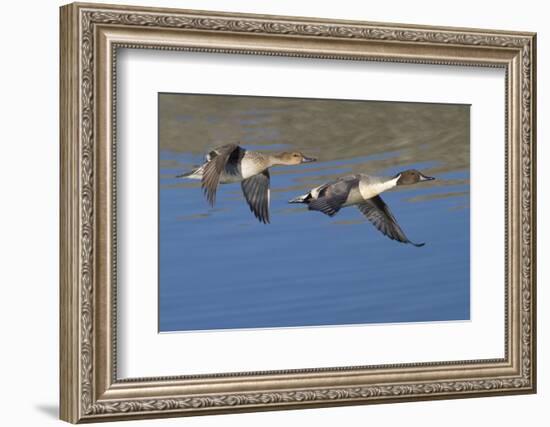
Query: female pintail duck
<point>231,163</point>
<point>363,191</point>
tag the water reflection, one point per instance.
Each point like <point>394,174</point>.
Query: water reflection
<point>220,268</point>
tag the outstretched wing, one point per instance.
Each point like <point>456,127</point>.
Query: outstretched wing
<point>378,213</point>
<point>256,193</point>
<point>332,196</point>
<point>225,160</point>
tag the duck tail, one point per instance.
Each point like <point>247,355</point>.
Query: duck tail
<point>194,174</point>
<point>305,198</point>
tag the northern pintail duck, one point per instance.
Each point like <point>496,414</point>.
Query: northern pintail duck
<point>231,163</point>
<point>363,191</point>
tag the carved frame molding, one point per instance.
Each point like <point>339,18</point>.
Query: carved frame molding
<point>90,37</point>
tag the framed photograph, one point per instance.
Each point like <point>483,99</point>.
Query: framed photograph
<point>266,212</point>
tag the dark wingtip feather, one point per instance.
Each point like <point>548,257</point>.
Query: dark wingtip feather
<point>408,242</point>
<point>256,192</point>
<point>262,217</point>
<point>209,183</point>
<point>210,196</point>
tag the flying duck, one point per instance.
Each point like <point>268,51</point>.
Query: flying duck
<point>363,191</point>
<point>231,163</point>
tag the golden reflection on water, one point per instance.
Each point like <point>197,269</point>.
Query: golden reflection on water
<point>382,135</point>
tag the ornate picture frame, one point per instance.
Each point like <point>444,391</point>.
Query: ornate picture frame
<point>90,37</point>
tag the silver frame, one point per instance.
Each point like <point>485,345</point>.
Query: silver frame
<point>90,37</point>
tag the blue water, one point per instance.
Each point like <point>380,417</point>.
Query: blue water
<point>219,268</point>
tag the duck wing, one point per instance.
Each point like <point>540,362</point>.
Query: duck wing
<point>378,213</point>
<point>332,196</point>
<point>256,192</point>
<point>222,159</point>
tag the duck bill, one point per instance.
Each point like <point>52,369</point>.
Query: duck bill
<point>308,159</point>
<point>426,178</point>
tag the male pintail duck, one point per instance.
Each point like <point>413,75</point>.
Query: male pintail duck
<point>232,163</point>
<point>363,191</point>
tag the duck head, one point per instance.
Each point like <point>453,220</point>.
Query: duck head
<point>411,176</point>
<point>291,158</point>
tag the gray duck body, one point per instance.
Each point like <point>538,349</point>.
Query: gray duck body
<point>231,163</point>
<point>363,191</point>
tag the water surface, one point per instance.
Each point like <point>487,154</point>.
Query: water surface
<point>219,268</point>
